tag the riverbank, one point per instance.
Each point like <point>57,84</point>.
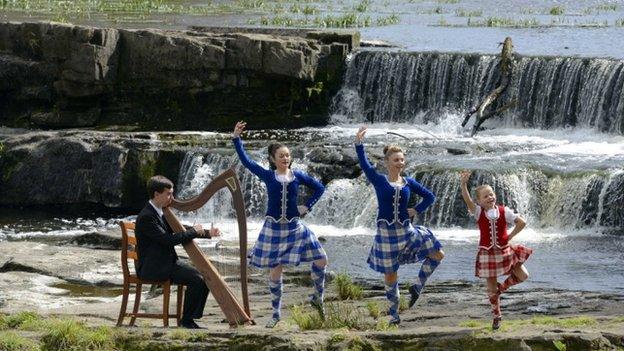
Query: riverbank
<point>73,281</point>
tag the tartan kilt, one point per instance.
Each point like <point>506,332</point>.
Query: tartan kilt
<point>495,262</point>
<point>397,244</point>
<point>285,243</point>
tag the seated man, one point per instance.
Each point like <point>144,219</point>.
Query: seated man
<point>157,257</point>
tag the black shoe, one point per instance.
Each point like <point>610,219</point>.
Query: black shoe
<point>496,322</point>
<point>415,295</point>
<point>318,306</point>
<point>271,323</point>
<point>394,320</point>
<point>190,324</point>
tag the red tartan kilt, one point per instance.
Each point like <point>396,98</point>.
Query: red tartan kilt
<point>495,262</point>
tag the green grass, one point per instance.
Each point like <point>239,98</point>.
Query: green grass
<point>403,304</point>
<point>373,309</point>
<point>559,345</point>
<point>338,315</point>
<point>619,22</point>
<point>22,320</point>
<point>75,336</point>
<point>11,341</point>
<point>346,289</point>
<point>551,322</point>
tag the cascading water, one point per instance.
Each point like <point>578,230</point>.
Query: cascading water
<point>552,92</point>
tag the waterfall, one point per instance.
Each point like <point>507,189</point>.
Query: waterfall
<point>543,198</point>
<point>551,92</point>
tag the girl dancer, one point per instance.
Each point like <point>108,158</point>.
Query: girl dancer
<point>284,239</point>
<point>496,256</point>
<point>397,242</point>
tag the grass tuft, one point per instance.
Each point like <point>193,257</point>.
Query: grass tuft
<point>74,336</point>
<point>346,289</point>
<point>373,309</point>
<point>11,341</point>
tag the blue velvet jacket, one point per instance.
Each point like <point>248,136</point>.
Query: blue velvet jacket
<point>393,200</point>
<point>282,195</point>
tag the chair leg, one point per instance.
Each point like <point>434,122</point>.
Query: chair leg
<point>179,300</point>
<point>137,301</point>
<point>166,295</point>
<point>124,304</point>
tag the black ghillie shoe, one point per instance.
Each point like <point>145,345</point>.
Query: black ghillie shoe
<point>394,320</point>
<point>189,324</point>
<point>414,296</point>
<point>496,322</point>
<point>271,323</point>
<point>318,306</point>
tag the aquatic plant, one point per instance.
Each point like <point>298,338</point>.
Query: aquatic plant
<point>362,6</point>
<point>556,11</point>
<point>503,22</point>
<point>468,13</point>
<point>388,20</point>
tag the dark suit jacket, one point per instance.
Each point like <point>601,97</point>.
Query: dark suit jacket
<point>155,244</point>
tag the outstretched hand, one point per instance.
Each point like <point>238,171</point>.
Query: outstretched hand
<point>214,231</point>
<point>359,136</point>
<point>464,176</point>
<point>238,128</point>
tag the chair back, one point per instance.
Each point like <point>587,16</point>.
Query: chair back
<point>128,246</point>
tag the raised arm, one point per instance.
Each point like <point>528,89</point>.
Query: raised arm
<point>313,184</point>
<point>368,169</point>
<point>250,164</point>
<point>464,176</point>
<point>427,196</point>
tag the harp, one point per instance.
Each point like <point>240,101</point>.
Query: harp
<point>234,312</point>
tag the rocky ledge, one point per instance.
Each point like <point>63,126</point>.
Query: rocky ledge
<point>74,167</point>
<point>60,75</point>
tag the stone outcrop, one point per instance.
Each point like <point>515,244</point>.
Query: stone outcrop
<point>111,168</point>
<point>59,75</point>
<point>78,167</point>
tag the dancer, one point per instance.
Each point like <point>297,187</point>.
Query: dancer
<point>284,239</point>
<point>397,242</point>
<point>496,256</point>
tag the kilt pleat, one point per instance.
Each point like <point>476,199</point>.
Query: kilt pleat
<point>285,243</point>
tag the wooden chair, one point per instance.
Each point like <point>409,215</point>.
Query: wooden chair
<point>128,251</point>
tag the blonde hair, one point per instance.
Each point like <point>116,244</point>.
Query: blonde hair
<point>391,149</point>
<point>482,187</point>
